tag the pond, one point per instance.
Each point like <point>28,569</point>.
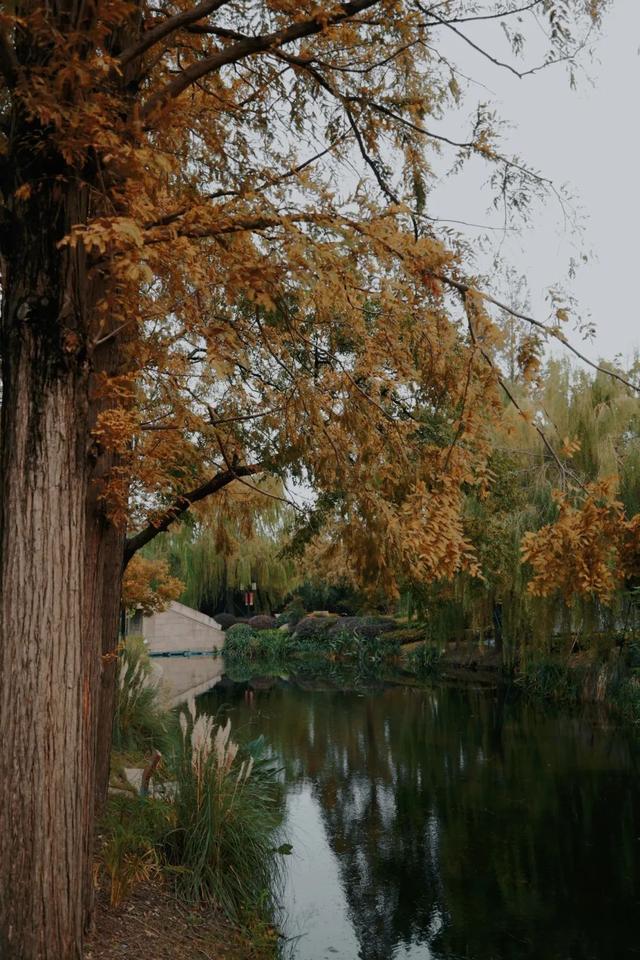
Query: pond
<point>450,822</point>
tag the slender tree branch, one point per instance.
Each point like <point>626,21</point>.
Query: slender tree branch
<point>182,503</point>
<point>253,45</point>
<point>464,288</point>
<point>564,472</point>
<point>499,15</point>
<point>167,27</point>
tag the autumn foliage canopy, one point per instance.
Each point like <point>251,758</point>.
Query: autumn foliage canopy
<point>281,300</point>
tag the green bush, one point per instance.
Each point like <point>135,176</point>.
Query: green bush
<point>240,640</point>
<point>425,660</point>
<point>311,632</point>
<point>263,621</point>
<point>275,644</point>
<point>132,836</point>
<point>373,648</point>
<point>294,611</point>
<point>140,720</point>
<point>550,679</point>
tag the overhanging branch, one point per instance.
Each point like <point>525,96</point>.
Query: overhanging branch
<point>167,27</point>
<point>253,45</point>
<point>182,503</point>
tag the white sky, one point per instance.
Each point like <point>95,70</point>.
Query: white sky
<point>587,138</point>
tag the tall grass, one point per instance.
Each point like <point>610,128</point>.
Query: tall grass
<point>132,835</point>
<point>213,833</point>
<point>242,642</point>
<point>425,660</point>
<point>140,720</point>
<point>227,808</point>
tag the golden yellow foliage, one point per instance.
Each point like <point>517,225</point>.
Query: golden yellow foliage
<point>590,549</point>
<point>243,304</point>
<point>147,585</point>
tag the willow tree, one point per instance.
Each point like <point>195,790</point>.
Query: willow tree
<point>228,542</point>
<point>193,295</point>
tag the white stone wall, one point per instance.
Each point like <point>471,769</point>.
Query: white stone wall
<point>180,629</point>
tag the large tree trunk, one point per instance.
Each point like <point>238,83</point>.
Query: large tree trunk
<point>59,577</point>
<point>48,664</point>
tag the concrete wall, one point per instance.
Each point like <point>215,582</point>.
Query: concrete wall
<point>180,629</point>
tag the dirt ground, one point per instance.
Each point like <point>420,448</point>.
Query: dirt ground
<point>152,925</point>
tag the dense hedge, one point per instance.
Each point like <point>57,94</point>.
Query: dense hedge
<point>263,621</point>
<point>312,629</point>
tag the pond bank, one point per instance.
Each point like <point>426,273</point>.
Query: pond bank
<point>153,925</point>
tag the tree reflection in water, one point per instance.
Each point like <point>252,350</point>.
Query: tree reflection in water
<point>465,824</point>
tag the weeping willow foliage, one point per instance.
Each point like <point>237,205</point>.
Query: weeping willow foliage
<point>598,418</point>
<point>233,542</point>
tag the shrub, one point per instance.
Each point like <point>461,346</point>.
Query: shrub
<point>213,835</point>
<point>263,621</point>
<point>373,648</point>
<point>132,835</point>
<point>140,719</point>
<point>550,679</point>
<point>425,660</point>
<point>312,632</point>
<point>274,643</point>
<point>239,640</point>
<point>244,643</point>
<point>225,620</point>
<point>294,611</point>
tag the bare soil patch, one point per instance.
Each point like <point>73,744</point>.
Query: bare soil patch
<point>152,925</point>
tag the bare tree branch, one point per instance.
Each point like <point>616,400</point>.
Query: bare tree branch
<point>167,27</point>
<point>253,45</point>
<point>564,471</point>
<point>182,503</point>
<point>464,288</point>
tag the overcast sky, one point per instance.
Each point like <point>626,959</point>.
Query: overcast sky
<point>589,139</point>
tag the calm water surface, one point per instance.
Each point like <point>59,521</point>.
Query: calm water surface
<point>452,823</point>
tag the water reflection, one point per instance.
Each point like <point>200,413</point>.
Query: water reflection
<point>453,823</point>
<point>184,677</point>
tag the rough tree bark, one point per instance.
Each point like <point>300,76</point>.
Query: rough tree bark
<point>59,567</point>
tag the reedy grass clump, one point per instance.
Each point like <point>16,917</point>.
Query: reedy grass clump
<point>140,720</point>
<point>550,679</point>
<point>133,834</point>
<point>212,834</point>
<point>226,809</point>
<point>425,660</point>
